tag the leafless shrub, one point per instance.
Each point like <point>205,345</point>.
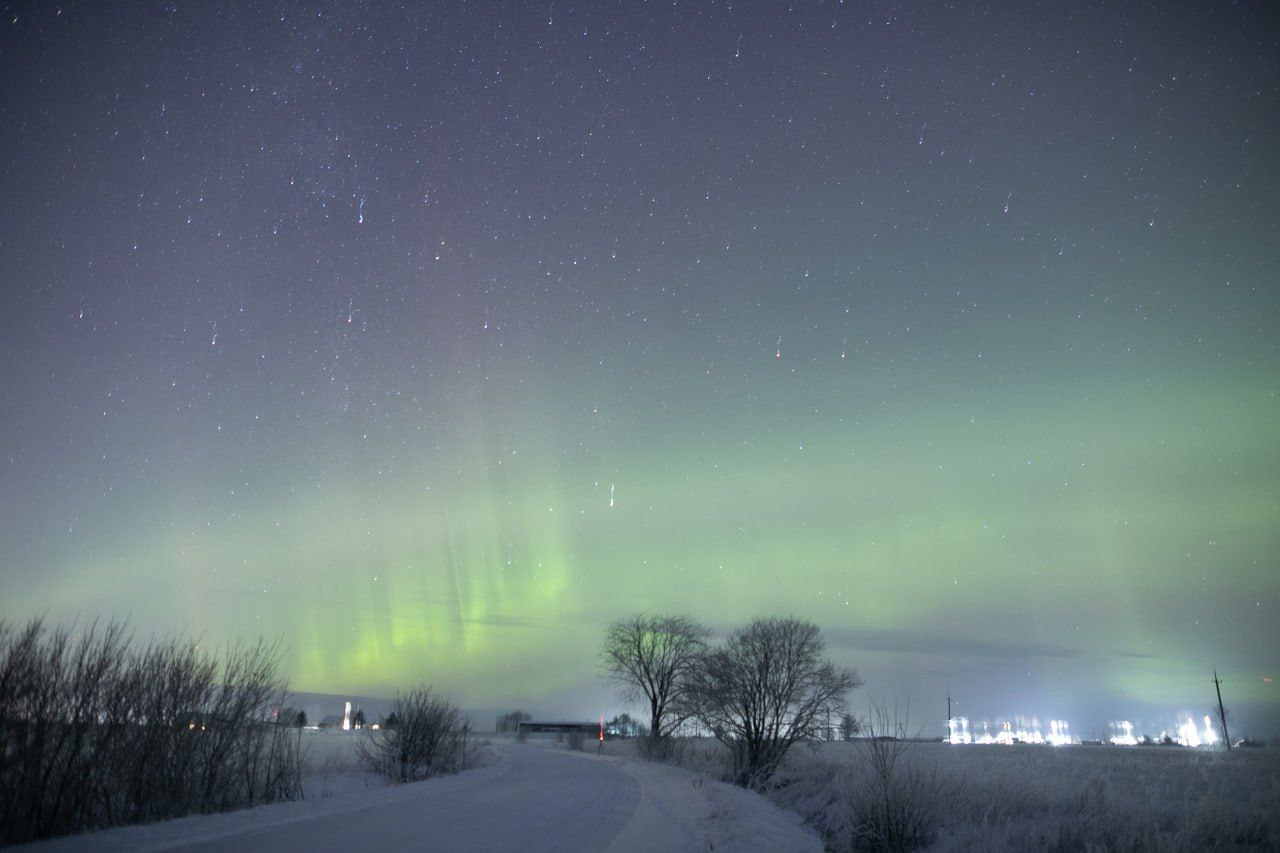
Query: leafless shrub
<point>94,733</point>
<point>429,739</point>
<point>53,691</point>
<point>895,803</point>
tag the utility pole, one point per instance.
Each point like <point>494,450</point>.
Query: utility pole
<point>950,731</point>
<point>1222,712</point>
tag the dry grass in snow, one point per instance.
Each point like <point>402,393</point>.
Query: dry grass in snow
<point>1022,797</point>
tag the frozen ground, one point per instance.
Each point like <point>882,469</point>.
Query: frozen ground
<point>1076,797</point>
<point>335,766</point>
<point>541,796</point>
<point>1036,797</point>
<point>537,796</point>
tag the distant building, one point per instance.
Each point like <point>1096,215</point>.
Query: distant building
<point>338,721</point>
<point>537,727</point>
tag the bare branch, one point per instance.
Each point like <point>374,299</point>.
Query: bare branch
<point>655,657</point>
<point>765,689</point>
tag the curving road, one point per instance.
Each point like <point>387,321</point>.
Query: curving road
<point>533,798</point>
<point>545,800</point>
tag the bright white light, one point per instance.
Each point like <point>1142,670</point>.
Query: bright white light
<point>1210,737</point>
<point>1029,731</point>
<point>1006,734</point>
<point>1189,735</point>
<point>1058,735</point>
<point>1122,734</point>
<point>1018,730</point>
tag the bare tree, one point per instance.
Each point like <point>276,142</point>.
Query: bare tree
<point>654,657</point>
<point>765,689</point>
<point>850,727</point>
<point>510,721</point>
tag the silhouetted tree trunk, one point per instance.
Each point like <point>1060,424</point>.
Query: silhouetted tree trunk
<point>654,658</point>
<point>767,687</point>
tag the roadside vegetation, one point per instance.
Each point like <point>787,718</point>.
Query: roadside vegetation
<point>1031,797</point>
<point>757,710</point>
<point>428,736</point>
<point>97,730</point>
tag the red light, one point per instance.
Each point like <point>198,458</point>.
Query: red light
<point>602,728</point>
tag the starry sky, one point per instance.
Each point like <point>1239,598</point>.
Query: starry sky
<point>430,338</point>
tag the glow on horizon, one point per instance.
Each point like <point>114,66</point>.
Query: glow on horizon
<point>1189,735</point>
<point>1186,733</point>
<point>1122,734</point>
<point>1010,732</point>
<point>1028,731</point>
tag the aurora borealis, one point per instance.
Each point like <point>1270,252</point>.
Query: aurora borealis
<point>433,338</point>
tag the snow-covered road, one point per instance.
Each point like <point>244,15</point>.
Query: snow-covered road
<point>533,798</point>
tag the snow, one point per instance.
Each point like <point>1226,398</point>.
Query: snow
<point>531,797</point>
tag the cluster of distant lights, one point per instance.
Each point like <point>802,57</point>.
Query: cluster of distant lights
<point>1008,733</point>
<point>1187,733</point>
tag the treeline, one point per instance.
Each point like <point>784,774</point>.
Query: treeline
<point>98,731</point>
<point>510,722</point>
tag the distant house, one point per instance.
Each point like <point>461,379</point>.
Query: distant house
<point>528,727</point>
<point>333,722</point>
<point>339,722</point>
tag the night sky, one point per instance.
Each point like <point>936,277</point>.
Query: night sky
<point>430,339</point>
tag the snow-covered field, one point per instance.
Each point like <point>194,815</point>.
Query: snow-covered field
<point>334,766</point>
<point>542,796</point>
<point>1036,797</point>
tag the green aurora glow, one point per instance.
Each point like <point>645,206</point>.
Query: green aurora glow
<point>365,373</point>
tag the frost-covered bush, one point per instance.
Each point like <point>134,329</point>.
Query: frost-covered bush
<point>429,738</point>
<point>896,800</point>
<point>897,795</point>
<point>889,797</point>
